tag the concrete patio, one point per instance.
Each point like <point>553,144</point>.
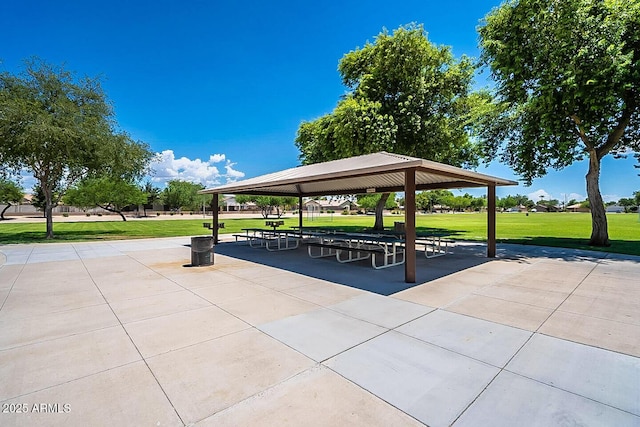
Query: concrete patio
<point>123,333</point>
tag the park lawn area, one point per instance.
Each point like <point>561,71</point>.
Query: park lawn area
<point>570,230</point>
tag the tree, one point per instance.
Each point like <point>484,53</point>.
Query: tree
<point>62,130</point>
<point>268,204</point>
<point>406,96</point>
<point>110,194</point>
<point>626,203</point>
<point>568,88</point>
<point>153,195</point>
<point>510,201</point>
<point>39,201</point>
<point>631,204</point>
<point>507,202</point>
<point>457,203</point>
<point>10,193</point>
<point>369,202</point>
<point>180,195</point>
<point>476,203</point>
<point>425,201</point>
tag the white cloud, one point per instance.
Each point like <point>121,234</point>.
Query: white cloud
<point>538,195</point>
<point>167,167</point>
<point>232,174</point>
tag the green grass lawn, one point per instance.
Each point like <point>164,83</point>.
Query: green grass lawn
<point>569,230</point>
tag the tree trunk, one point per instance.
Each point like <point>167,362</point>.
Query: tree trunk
<point>379,224</point>
<point>109,209</point>
<point>48,210</point>
<point>599,229</point>
<point>4,210</point>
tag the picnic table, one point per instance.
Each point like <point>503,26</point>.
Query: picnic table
<point>384,249</point>
<point>274,224</point>
<point>210,226</point>
<point>350,247</point>
<point>272,240</point>
<point>434,243</point>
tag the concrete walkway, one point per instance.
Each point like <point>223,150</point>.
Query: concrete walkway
<point>123,333</point>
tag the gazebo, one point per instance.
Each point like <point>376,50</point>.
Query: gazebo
<point>380,172</point>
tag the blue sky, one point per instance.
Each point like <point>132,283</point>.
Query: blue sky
<point>220,88</point>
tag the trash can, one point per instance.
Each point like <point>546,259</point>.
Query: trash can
<point>201,251</point>
<point>398,227</point>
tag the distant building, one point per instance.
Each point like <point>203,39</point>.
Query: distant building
<point>329,205</point>
<point>544,208</point>
<point>615,209</point>
<point>577,208</point>
<point>229,204</point>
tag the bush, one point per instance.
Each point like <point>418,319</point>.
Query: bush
<point>88,214</point>
<point>65,214</point>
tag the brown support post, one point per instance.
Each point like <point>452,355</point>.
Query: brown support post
<point>214,212</point>
<point>300,214</point>
<point>491,221</point>
<point>410,225</point>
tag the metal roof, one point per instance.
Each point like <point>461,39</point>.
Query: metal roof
<point>377,172</point>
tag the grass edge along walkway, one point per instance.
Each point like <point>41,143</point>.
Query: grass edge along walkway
<point>568,230</point>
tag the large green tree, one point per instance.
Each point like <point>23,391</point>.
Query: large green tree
<point>405,95</point>
<point>10,193</point>
<point>109,193</point>
<point>62,129</point>
<point>568,88</point>
<point>180,195</point>
<point>369,202</point>
<point>426,200</point>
